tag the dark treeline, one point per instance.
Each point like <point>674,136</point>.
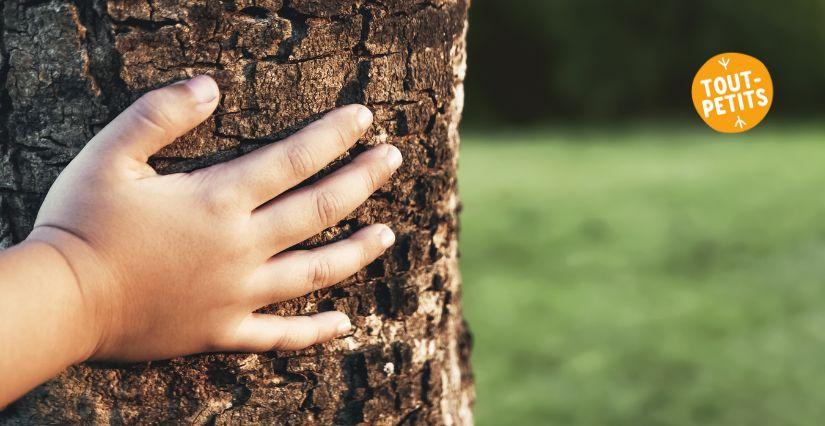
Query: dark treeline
<point>533,61</point>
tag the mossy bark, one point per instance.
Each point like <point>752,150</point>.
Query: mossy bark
<point>67,67</point>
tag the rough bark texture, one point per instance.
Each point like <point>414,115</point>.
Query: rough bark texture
<point>67,67</point>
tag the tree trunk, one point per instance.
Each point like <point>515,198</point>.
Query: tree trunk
<point>68,67</point>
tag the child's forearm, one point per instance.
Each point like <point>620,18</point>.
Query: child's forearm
<point>47,325</point>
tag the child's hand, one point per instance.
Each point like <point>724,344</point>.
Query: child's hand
<point>173,265</point>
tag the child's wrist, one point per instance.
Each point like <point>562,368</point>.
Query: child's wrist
<point>79,276</point>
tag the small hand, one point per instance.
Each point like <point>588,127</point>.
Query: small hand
<point>176,264</point>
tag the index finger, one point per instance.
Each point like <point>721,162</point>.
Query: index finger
<point>265,173</point>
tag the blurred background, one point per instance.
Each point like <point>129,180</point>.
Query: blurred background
<point>623,263</point>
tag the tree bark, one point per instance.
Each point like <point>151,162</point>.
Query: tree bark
<point>68,67</point>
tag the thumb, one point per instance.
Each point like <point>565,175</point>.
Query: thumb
<point>158,118</point>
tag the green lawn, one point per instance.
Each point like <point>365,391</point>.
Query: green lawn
<point>646,276</point>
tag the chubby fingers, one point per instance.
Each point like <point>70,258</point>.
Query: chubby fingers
<point>158,118</point>
<point>269,171</point>
<point>295,273</point>
<point>298,272</point>
<point>261,332</point>
<point>295,216</point>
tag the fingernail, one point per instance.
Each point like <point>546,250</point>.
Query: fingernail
<point>393,156</point>
<point>387,237</point>
<point>364,117</point>
<point>204,88</point>
<point>344,327</point>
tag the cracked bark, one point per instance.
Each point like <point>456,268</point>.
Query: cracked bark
<point>67,67</point>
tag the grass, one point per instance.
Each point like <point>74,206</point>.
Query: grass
<point>646,276</point>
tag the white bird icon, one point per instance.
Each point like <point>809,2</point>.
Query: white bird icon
<point>724,62</point>
<point>740,123</point>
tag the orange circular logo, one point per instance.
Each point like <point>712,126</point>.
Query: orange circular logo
<point>733,92</point>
